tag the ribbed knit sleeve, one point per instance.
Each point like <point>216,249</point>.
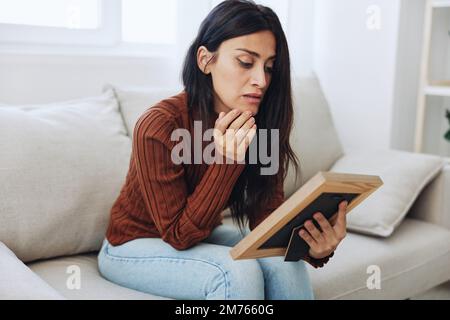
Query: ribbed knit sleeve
<point>182,219</point>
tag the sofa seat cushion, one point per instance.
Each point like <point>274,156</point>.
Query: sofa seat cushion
<point>414,259</point>
<point>57,273</point>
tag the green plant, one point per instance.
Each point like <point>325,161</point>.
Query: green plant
<point>447,115</point>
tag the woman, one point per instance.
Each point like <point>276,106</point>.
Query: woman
<point>165,235</point>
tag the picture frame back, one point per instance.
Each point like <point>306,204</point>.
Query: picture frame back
<point>322,193</point>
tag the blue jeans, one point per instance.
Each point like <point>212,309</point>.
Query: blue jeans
<point>205,271</point>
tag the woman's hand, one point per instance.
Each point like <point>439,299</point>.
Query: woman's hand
<point>322,244</point>
<point>234,131</point>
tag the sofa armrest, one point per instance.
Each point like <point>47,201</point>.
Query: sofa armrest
<point>18,282</point>
<point>433,204</point>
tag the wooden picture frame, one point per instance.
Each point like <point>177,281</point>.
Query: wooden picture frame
<point>275,236</point>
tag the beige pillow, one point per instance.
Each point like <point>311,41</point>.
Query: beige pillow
<point>134,101</point>
<point>62,166</point>
<point>404,175</point>
<point>18,282</point>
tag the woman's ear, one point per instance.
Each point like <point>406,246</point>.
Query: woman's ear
<point>203,56</point>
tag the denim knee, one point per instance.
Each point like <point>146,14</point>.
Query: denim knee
<point>241,280</point>
<point>286,280</point>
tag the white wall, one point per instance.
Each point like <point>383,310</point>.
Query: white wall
<point>33,78</point>
<point>356,67</point>
<point>301,36</point>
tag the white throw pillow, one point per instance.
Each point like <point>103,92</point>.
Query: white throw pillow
<point>134,101</point>
<point>18,282</point>
<point>62,166</point>
<point>404,175</point>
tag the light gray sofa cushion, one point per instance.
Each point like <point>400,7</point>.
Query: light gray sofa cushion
<point>18,282</point>
<point>134,101</point>
<point>414,259</point>
<point>61,169</point>
<point>92,285</point>
<point>404,176</point>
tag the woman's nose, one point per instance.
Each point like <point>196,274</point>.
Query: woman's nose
<point>259,77</point>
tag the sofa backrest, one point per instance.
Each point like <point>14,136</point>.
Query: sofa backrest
<point>314,138</point>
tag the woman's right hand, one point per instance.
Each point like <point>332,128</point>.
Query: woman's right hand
<point>233,133</point>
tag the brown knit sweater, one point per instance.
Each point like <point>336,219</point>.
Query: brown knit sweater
<point>180,203</point>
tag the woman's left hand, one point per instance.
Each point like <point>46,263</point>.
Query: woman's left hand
<point>323,243</point>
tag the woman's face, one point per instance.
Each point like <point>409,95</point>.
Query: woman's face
<point>243,67</point>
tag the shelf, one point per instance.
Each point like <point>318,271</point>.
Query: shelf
<point>438,88</point>
<point>442,91</point>
<point>441,4</point>
<point>427,87</point>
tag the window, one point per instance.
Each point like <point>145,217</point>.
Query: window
<point>72,14</point>
<point>133,25</point>
<point>149,21</point>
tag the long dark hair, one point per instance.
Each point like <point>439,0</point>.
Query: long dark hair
<point>231,19</point>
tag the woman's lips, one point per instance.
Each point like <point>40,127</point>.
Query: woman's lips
<point>252,100</point>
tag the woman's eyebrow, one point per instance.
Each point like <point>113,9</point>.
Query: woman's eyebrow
<point>255,53</point>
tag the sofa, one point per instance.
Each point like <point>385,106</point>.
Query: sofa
<point>63,165</point>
